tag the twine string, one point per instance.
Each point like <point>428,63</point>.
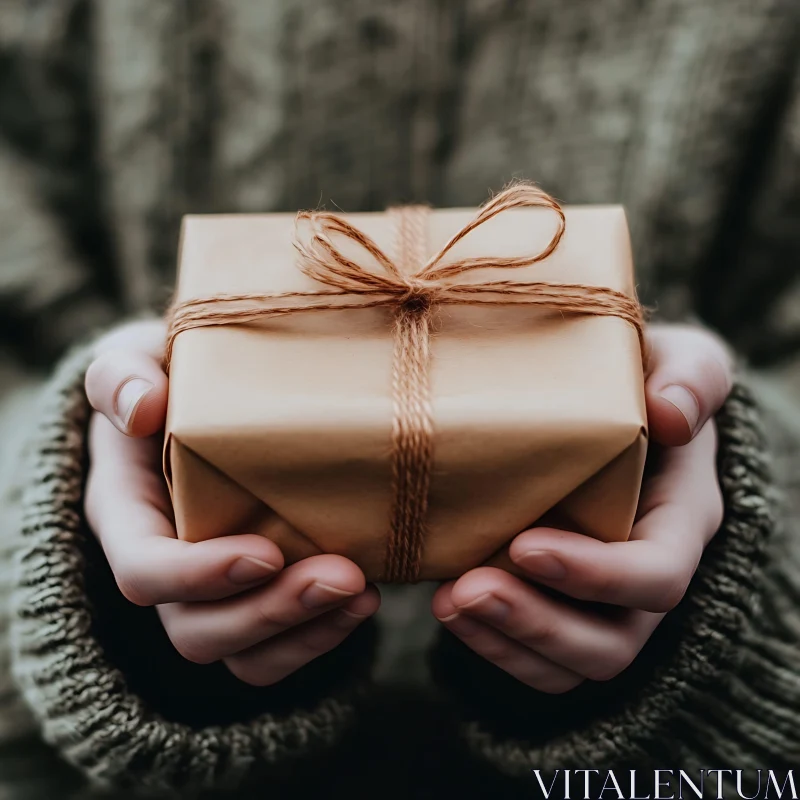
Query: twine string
<point>412,429</point>
<point>412,286</point>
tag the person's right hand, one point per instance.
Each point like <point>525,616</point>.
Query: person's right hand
<point>228,599</point>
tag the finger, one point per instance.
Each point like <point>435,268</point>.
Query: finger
<point>130,388</point>
<point>594,646</point>
<point>685,477</point>
<point>206,632</point>
<point>690,378</point>
<point>144,336</point>
<point>127,506</point>
<point>681,509</point>
<point>518,661</point>
<point>272,660</point>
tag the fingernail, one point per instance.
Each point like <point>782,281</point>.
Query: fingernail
<point>489,607</point>
<point>684,401</point>
<point>541,564</point>
<point>128,397</point>
<point>461,625</point>
<point>320,594</point>
<point>248,570</point>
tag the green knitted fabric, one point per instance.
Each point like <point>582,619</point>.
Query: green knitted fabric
<point>107,687</point>
<point>115,122</point>
<point>713,685</point>
<point>112,695</point>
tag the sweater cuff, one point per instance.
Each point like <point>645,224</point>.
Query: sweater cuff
<point>105,683</point>
<point>635,718</point>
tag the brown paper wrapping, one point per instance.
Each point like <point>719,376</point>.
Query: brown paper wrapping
<point>283,427</point>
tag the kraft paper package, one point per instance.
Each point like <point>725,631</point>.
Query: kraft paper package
<point>348,383</point>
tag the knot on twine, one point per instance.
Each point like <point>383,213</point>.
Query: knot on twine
<point>418,296</point>
<point>413,285</point>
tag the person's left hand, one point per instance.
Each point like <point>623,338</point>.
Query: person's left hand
<point>555,644</point>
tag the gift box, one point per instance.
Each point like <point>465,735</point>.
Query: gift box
<point>409,389</point>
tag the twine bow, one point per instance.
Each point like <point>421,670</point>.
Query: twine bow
<point>412,286</point>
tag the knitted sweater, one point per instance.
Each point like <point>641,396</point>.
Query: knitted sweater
<point>116,118</point>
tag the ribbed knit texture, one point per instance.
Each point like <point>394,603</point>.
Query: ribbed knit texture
<point>188,726</point>
<point>114,122</point>
<point>717,681</point>
<point>714,683</point>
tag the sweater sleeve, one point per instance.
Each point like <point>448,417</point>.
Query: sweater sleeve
<point>715,685</point>
<point>104,683</point>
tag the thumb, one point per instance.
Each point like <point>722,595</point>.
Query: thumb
<point>691,376</point>
<point>129,387</point>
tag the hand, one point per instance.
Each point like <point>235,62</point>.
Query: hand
<point>555,644</point>
<point>229,598</point>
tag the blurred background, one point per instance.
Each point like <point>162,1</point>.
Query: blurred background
<point>118,117</point>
